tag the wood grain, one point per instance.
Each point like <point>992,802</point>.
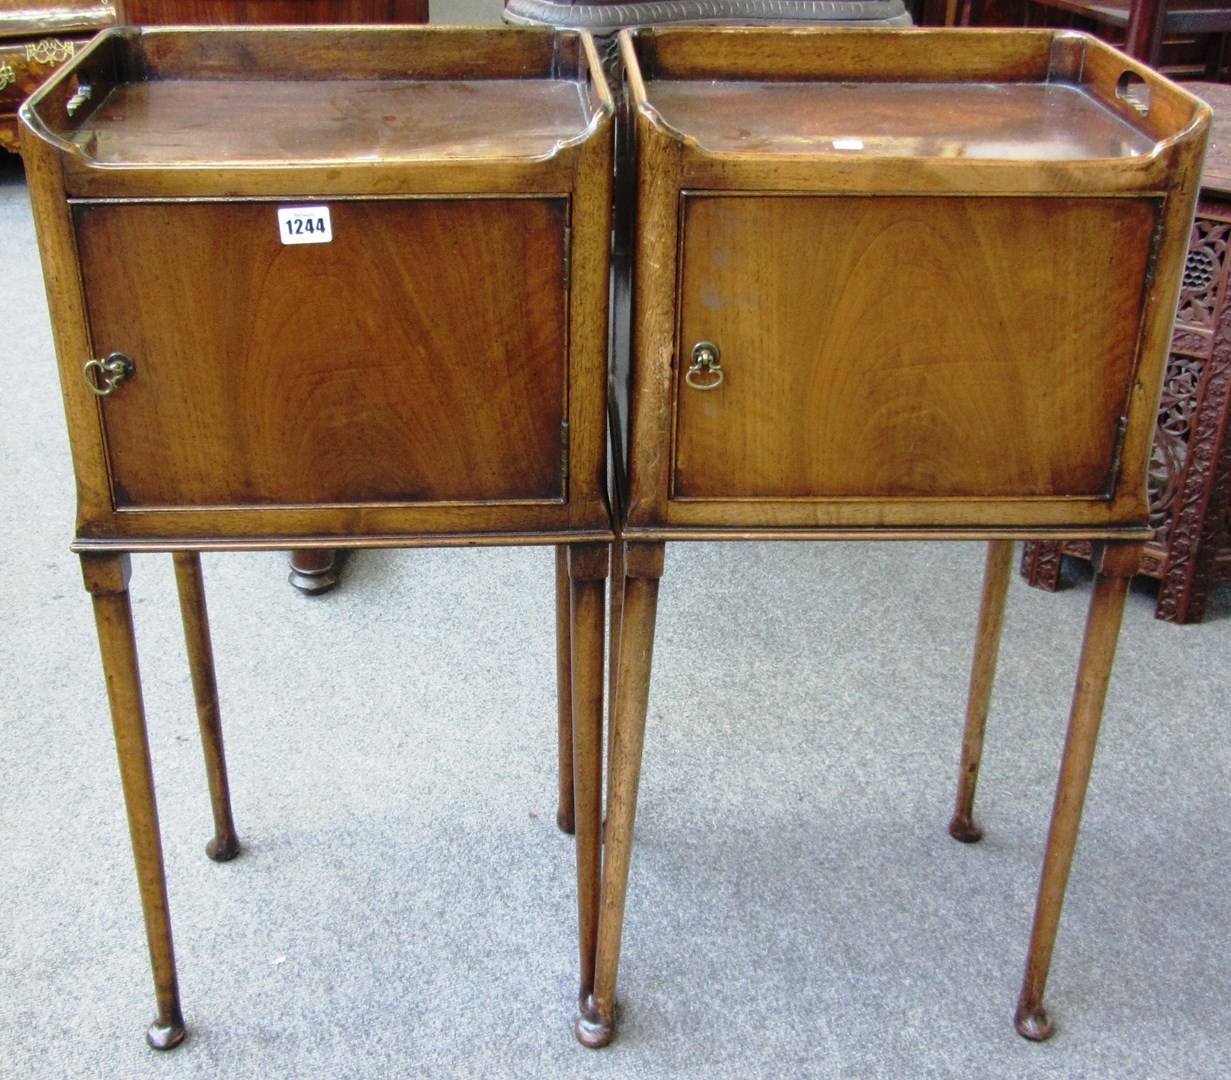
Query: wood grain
<point>999,365</point>
<point>843,53</point>
<point>517,151</point>
<point>190,584</point>
<point>182,12</point>
<point>106,578</point>
<point>350,371</point>
<point>434,373</point>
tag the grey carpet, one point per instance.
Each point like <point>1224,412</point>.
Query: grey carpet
<point>404,905</point>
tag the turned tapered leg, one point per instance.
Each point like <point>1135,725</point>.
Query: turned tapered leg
<point>1114,568</point>
<point>564,691</point>
<point>587,569</point>
<point>191,585</point>
<point>613,635</point>
<point>982,674</point>
<point>643,567</point>
<point>106,578</point>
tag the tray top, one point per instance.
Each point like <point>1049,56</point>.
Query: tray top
<point>237,122</point>
<point>1000,121</point>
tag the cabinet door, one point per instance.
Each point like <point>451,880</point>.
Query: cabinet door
<point>907,346</point>
<point>419,355</point>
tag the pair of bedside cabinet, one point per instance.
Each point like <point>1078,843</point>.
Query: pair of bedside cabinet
<point>351,289</point>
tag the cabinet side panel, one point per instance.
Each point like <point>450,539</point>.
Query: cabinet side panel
<point>418,356</point>
<point>901,347</point>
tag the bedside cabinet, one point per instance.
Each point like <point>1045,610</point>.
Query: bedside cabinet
<point>894,284</point>
<point>325,289</point>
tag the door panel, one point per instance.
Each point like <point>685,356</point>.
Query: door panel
<point>908,346</point>
<point>418,356</point>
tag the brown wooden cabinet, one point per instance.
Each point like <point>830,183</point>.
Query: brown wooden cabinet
<point>434,368</point>
<point>893,285</point>
<point>321,289</point>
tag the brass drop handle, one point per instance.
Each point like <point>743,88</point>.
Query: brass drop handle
<point>103,376</point>
<point>706,371</point>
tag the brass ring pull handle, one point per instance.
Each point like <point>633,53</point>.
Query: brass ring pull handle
<point>706,371</point>
<point>110,373</point>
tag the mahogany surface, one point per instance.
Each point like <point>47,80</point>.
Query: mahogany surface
<point>29,17</point>
<point>353,371</point>
<point>354,394</point>
<point>1177,16</point>
<point>840,310</point>
<point>313,570</point>
<point>329,120</point>
<point>1185,38</point>
<point>870,411</point>
<point>271,12</point>
<point>430,369</point>
<point>944,431</point>
<point>1022,121</point>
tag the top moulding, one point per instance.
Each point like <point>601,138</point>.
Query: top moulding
<point>923,95</point>
<point>241,103</point>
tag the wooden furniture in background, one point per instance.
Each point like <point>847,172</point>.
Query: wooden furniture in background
<point>1190,468</point>
<point>1152,22</point>
<point>321,289</point>
<point>35,38</point>
<point>1184,38</point>
<point>313,571</point>
<point>270,12</point>
<point>788,381</point>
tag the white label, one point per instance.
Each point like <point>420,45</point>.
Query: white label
<point>304,224</point>
<point>848,144</point>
